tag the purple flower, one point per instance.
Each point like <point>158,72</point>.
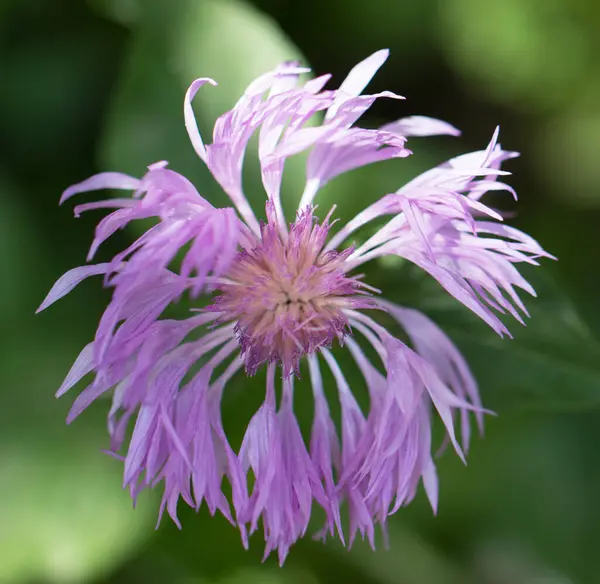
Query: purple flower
<point>272,294</point>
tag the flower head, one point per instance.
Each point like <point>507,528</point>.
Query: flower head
<point>287,296</point>
<point>272,294</point>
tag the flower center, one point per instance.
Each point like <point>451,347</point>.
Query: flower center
<point>288,295</point>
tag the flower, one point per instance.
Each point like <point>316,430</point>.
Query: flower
<point>268,294</point>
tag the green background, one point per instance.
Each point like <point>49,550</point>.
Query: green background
<point>97,85</point>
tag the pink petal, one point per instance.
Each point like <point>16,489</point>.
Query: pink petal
<point>69,280</point>
<point>104,180</point>
<point>82,366</point>
<point>190,118</point>
<point>420,126</point>
<point>358,79</point>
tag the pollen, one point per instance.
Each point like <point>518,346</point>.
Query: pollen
<point>288,295</point>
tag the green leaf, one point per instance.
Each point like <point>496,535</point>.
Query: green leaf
<point>551,363</point>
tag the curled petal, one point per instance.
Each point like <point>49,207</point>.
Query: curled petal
<point>190,118</point>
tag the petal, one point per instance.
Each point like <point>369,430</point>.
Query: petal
<point>434,345</point>
<point>82,366</point>
<point>420,126</point>
<point>104,180</point>
<point>190,118</point>
<point>69,280</point>
<point>107,204</point>
<point>353,108</point>
<point>358,79</point>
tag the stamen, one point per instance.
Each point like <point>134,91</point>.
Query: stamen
<point>286,295</point>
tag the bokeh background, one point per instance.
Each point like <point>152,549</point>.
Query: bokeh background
<point>98,84</point>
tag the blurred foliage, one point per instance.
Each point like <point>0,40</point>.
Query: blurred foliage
<point>530,54</point>
<point>99,84</point>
